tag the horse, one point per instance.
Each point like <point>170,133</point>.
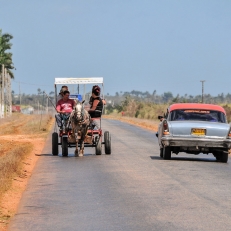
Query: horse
<point>79,120</point>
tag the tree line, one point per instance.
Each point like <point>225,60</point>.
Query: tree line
<point>118,99</point>
<point>147,106</point>
<point>168,97</point>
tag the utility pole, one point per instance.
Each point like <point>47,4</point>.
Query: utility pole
<point>2,92</point>
<point>10,95</point>
<point>202,96</point>
<point>1,88</point>
<point>47,106</point>
<point>19,94</point>
<point>8,100</point>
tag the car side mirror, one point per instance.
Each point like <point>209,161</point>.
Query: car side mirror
<point>160,117</point>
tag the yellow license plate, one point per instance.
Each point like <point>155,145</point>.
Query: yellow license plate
<point>198,132</point>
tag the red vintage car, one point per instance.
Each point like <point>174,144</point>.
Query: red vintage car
<point>195,128</point>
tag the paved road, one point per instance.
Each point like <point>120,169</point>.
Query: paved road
<point>130,190</point>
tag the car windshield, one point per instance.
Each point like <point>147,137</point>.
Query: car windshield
<point>197,115</point>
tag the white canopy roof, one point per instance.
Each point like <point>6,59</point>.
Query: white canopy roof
<point>82,80</point>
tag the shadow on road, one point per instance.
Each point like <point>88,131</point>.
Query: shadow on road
<point>73,155</point>
<point>184,159</point>
<point>43,154</point>
<point>69,155</point>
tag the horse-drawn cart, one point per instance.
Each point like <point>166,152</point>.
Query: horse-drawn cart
<point>71,135</point>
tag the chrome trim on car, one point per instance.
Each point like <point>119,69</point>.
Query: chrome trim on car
<point>192,142</point>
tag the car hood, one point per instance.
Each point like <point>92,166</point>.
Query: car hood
<point>184,128</point>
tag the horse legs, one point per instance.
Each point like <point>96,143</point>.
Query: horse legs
<point>83,135</point>
<point>76,141</point>
<point>81,151</point>
<point>76,149</point>
<point>80,136</point>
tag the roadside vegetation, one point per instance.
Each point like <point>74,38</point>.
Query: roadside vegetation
<point>168,97</point>
<point>18,135</point>
<point>131,107</point>
<point>11,164</point>
<point>228,112</point>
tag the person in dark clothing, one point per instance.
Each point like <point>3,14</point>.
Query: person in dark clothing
<point>96,106</point>
<point>95,92</point>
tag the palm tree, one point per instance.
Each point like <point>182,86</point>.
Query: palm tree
<point>6,57</point>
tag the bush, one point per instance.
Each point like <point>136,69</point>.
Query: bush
<point>142,110</point>
<point>228,112</point>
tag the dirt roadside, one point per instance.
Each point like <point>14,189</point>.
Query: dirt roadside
<point>28,132</point>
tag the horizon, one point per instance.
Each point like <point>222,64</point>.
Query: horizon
<point>123,93</point>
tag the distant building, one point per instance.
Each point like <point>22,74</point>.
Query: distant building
<point>16,108</point>
<point>28,110</point>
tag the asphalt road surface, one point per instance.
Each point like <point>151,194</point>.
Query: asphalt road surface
<point>131,189</point>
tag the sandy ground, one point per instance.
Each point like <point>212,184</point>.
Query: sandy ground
<point>10,200</point>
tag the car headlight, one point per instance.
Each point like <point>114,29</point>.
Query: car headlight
<point>229,134</point>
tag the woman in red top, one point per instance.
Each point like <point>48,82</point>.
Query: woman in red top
<point>64,108</point>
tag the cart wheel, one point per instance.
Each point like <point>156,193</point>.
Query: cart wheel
<point>107,142</point>
<point>64,146</point>
<point>98,147</point>
<point>55,147</point>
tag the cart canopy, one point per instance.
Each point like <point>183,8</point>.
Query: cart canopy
<point>70,80</point>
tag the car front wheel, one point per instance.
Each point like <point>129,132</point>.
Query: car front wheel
<point>161,152</point>
<point>221,156</point>
<point>224,157</point>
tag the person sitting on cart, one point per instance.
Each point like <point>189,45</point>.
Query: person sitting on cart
<point>60,95</point>
<point>96,106</point>
<point>95,88</point>
<point>64,108</point>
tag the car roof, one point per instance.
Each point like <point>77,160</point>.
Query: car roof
<point>196,106</point>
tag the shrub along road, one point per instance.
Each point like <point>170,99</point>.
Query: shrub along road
<point>22,137</point>
<point>131,189</point>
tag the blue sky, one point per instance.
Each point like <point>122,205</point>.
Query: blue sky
<point>145,45</point>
